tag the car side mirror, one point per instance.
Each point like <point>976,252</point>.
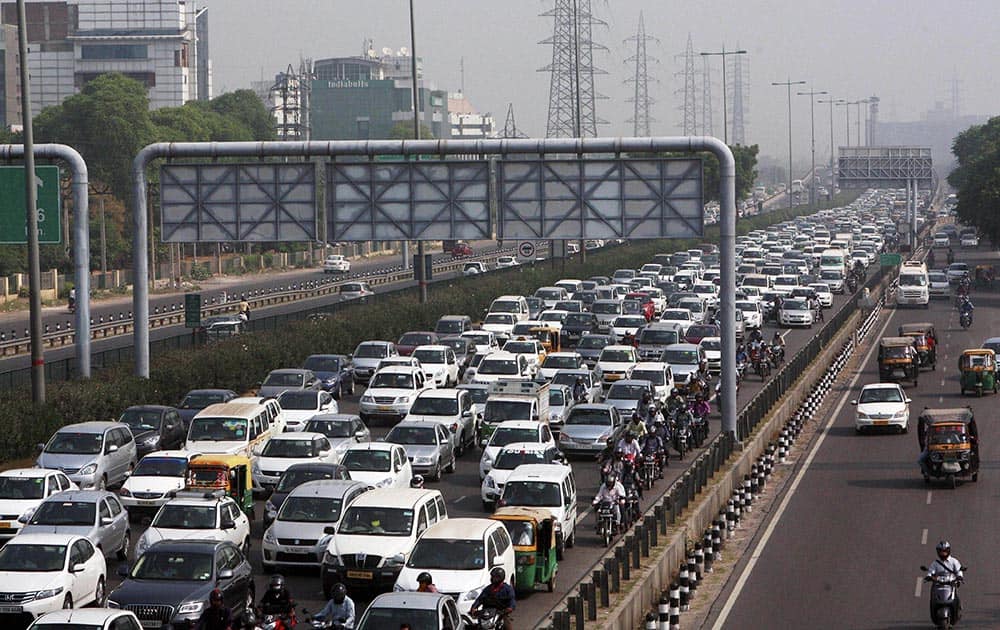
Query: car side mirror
<point>497,561</point>
<point>111,448</point>
<point>909,400</point>
<point>78,568</point>
<point>324,453</point>
<point>854,402</point>
<point>228,524</point>
<point>225,574</point>
<point>39,447</point>
<point>123,570</point>
<point>330,529</point>
<point>128,473</point>
<point>467,413</point>
<point>256,450</point>
<point>107,520</point>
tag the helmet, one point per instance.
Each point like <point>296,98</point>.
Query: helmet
<point>339,593</point>
<point>619,452</point>
<point>425,578</point>
<point>629,436</point>
<point>652,408</point>
<point>497,575</point>
<point>417,481</point>
<point>215,596</point>
<point>610,481</point>
<point>943,549</point>
<point>277,582</point>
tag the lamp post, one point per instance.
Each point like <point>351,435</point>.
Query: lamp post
<point>724,53</point>
<point>788,84</point>
<point>812,135</point>
<point>847,113</point>
<point>857,123</point>
<point>831,102</point>
<point>420,270</point>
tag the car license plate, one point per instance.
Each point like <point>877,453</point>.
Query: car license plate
<point>898,373</point>
<point>145,502</point>
<point>880,423</point>
<point>951,467</point>
<point>13,610</point>
<point>384,408</point>
<point>359,575</point>
<point>6,524</point>
<point>151,623</point>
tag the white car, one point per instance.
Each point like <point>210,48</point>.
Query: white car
<point>753,316</point>
<point>355,290</point>
<point>627,325</point>
<point>509,432</point>
<point>155,479</point>
<point>956,271</point>
<point>712,347</point>
<point>378,464</point>
<point>500,324</point>
<point>509,458</point>
<point>484,340</point>
<point>452,409</point>
<point>938,285</point>
<point>21,490</point>
<point>556,361</point>
<point>679,316</point>
<point>882,405</point>
<point>823,293</point>
<point>503,262</point>
<point>391,392</point>
<point>88,619</point>
<point>438,363</point>
<point>795,312</point>
<point>335,263</point>
<point>530,349</point>
<point>197,516</point>
<point>42,573</point>
<point>616,363</point>
<point>474,268</point>
<point>286,449</point>
<point>299,406</point>
<point>657,373</point>
<point>783,285</point>
<point>941,239</point>
<point>709,292</point>
<point>969,240</point>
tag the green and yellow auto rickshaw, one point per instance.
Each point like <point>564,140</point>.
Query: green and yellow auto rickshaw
<point>924,339</point>
<point>532,531</point>
<point>230,473</point>
<point>897,359</point>
<point>978,371</point>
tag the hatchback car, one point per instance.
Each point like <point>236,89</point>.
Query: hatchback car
<point>882,405</point>
<point>22,490</point>
<point>336,263</point>
<point>296,475</point>
<point>88,619</point>
<point>429,446</point>
<point>299,407</point>
<point>154,428</point>
<point>379,464</point>
<point>335,372</point>
<point>198,399</point>
<point>452,409</point>
<point>95,514</point>
<point>355,290</point>
<point>938,285</point>
<point>509,458</point>
<point>284,450</point>
<point>590,429</point>
<point>367,356</point>
<point>433,611</point>
<point>626,394</point>
<point>294,379</point>
<point>155,479</point>
<point>391,393</point>
<point>92,454</point>
<point>509,432</point>
<point>795,312</point>
<point>409,341</point>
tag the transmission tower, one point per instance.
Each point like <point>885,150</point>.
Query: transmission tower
<point>740,94</point>
<point>641,102</point>
<point>510,129</point>
<point>290,99</point>
<point>689,106</point>
<point>706,98</point>
<point>571,87</point>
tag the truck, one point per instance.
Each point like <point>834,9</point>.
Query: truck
<point>513,400</point>
<point>846,237</point>
<point>797,186</point>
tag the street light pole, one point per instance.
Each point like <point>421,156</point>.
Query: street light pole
<point>857,123</point>
<point>420,272</point>
<point>812,126</point>
<point>831,102</point>
<point>724,53</point>
<point>788,84</point>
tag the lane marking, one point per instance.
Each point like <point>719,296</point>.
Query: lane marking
<point>923,537</point>
<point>940,399</point>
<point>942,384</point>
<point>920,587</point>
<point>929,497</point>
<point>720,621</point>
<point>459,499</point>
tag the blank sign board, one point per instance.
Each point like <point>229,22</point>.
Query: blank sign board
<point>384,201</point>
<point>600,198</point>
<point>238,202</point>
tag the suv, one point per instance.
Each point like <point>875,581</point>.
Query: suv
<point>451,408</point>
<point>92,454</point>
<point>202,515</point>
<point>367,356</point>
<point>391,393</point>
<point>21,492</point>
<point>154,428</point>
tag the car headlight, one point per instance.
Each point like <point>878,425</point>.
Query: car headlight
<point>403,400</point>
<point>255,467</point>
<point>269,536</point>
<point>368,399</point>
<point>487,459</point>
<point>89,469</point>
<point>422,460</point>
<point>49,592</point>
<point>469,596</point>
<point>489,483</point>
<point>899,414</point>
<point>113,604</point>
<point>189,608</point>
<point>862,415</point>
<point>385,483</point>
<point>395,561</point>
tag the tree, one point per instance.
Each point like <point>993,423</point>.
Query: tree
<point>976,179</point>
<point>403,130</point>
<point>246,108</point>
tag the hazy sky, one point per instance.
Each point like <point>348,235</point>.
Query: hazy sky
<point>905,51</point>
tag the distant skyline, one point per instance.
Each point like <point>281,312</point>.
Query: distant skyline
<point>907,52</point>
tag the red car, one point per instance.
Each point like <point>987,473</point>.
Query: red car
<point>699,331</point>
<point>647,308</point>
<point>460,250</point>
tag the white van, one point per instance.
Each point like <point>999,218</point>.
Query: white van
<point>834,259</point>
<point>516,305</point>
<point>230,429</point>
<point>549,486</point>
<point>375,536</point>
<point>914,285</point>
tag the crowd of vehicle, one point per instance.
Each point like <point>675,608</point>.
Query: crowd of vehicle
<point>618,370</point>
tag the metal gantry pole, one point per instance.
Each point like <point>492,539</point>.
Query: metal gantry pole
<point>420,273</point>
<point>812,134</point>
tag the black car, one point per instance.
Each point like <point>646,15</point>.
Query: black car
<point>464,349</point>
<point>335,371</point>
<point>197,399</point>
<point>576,326</point>
<point>155,428</point>
<point>170,583</point>
<point>295,476</point>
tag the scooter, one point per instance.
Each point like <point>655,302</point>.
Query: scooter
<point>945,608</point>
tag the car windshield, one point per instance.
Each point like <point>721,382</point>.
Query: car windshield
<point>746,307</point>
<point>656,377</point>
<point>579,319</point>
<point>681,357</point>
<point>606,308</point>
<point>520,347</point>
<point>499,318</point>
<point>448,555</point>
<point>561,362</point>
<point>629,322</point>
<point>293,478</point>
<point>795,305</point>
<point>498,366</point>
<point>912,280</point>
<point>283,379</point>
<point>593,417</point>
<point>567,378</point>
<point>895,352</point>
<point>173,566</point>
<point>161,467</point>
<point>72,443</point>
<point>392,380</point>
<point>508,435</point>
<point>880,395</point>
<point>201,400</point>
<point>289,448</point>
<point>676,315</point>
<point>330,428</point>
<point>22,487</point>
<point>500,410</point>
<point>32,558</point>
<point>937,277</point>
<point>177,516</point>
<point>365,460</point>
<point>626,391</point>
<point>706,344</point>
<point>831,274</point>
<point>593,343</point>
<point>532,494</point>
<point>459,346</point>
<point>631,307</point>
<point>434,406</point>
<point>141,420</point>
<point>658,337</point>
<point>310,510</point>
<point>702,331</point>
<point>429,356</point>
<point>478,394</point>
<point>549,294</point>
<point>413,436</point>
<point>377,521</point>
<point>305,401</point>
<point>218,429</point>
<point>76,513</point>
<point>617,356</point>
<point>948,434</point>
<point>509,460</point>
<point>322,364</point>
<point>371,351</point>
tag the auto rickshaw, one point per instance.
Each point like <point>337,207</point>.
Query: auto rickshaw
<point>897,359</point>
<point>978,370</point>
<point>226,472</point>
<point>949,443</point>
<point>925,339</point>
<point>532,530</point>
<point>549,338</point>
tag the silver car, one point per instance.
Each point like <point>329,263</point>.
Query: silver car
<point>341,429</point>
<point>295,379</point>
<point>92,454</point>
<point>97,515</point>
<point>428,445</point>
<point>590,429</point>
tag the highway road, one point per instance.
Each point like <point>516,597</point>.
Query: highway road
<point>844,547</point>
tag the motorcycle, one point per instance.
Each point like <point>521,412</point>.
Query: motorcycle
<point>605,521</point>
<point>680,438</point>
<point>650,471</point>
<point>632,511</point>
<point>945,608</point>
<point>852,284</point>
<point>965,319</point>
<point>486,619</point>
<point>777,354</point>
<point>325,624</point>
<point>255,621</point>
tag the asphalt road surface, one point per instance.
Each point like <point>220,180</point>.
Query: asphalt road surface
<point>845,546</point>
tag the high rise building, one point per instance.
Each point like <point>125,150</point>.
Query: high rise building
<point>155,42</point>
<point>466,122</point>
<point>10,78</point>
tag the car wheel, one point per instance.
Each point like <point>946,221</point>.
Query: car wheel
<point>101,594</point>
<point>103,483</point>
<point>350,391</point>
<point>68,602</point>
<point>436,475</point>
<point>248,603</point>
<point>126,540</point>
<point>246,547</point>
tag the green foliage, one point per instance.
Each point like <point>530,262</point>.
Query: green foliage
<point>200,271</point>
<point>976,179</point>
<point>403,130</point>
<point>746,172</point>
<point>244,107</point>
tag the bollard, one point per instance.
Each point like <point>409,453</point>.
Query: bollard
<point>663,612</point>
<point>651,619</point>
<point>560,620</point>
<point>633,549</point>
<point>611,567</point>
<point>601,580</point>
<point>699,561</point>
<point>692,568</point>
<point>682,576</point>
<point>576,611</point>
<point>643,534</point>
<point>675,606</point>
<point>621,554</point>
<point>654,534</point>
<point>660,512</point>
<point>709,550</point>
<point>748,490</point>
<point>590,594</point>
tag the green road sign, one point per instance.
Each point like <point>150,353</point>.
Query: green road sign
<point>891,260</point>
<point>192,310</point>
<point>13,224</point>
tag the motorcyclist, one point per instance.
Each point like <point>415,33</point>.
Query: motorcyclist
<point>700,407</point>
<point>741,354</point>
<point>946,565</point>
<point>653,415</point>
<point>244,309</point>
<point>278,600</point>
<point>859,269</point>
<point>72,299</point>
<point>217,616</point>
<point>636,426</point>
<point>612,492</point>
<point>676,401</point>
<point>628,445</point>
<point>951,256</point>
<point>425,583</point>
<point>614,464</point>
<point>579,390</point>
<point>340,609</point>
<point>756,335</point>
<point>965,306</point>
<point>653,447</point>
<point>499,595</point>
